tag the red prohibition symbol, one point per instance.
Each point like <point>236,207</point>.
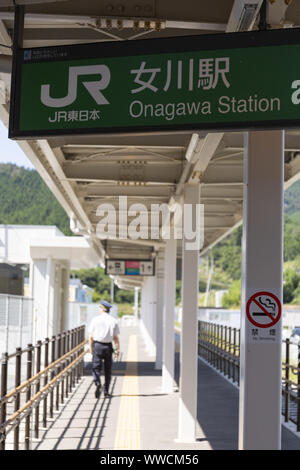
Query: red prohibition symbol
<point>263,304</point>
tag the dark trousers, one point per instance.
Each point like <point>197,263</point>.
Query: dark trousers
<point>102,352</point>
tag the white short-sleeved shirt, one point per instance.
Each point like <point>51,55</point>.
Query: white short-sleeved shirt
<point>103,328</point>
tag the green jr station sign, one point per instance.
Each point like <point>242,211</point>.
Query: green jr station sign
<point>228,81</point>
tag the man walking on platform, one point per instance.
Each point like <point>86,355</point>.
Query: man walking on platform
<point>103,331</point>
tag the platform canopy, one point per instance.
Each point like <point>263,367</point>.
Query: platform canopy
<point>147,167</point>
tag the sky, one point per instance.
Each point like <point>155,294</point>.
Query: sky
<point>10,152</point>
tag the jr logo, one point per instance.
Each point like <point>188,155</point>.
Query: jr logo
<point>92,87</point>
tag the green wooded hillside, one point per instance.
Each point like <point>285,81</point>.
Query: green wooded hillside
<point>227,255</point>
<point>26,200</point>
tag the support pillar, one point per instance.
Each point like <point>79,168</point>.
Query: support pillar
<point>136,302</point>
<point>160,258</point>
<point>65,282</point>
<point>112,290</point>
<point>189,328</point>
<point>50,291</point>
<point>260,359</point>
<point>147,309</point>
<point>168,317</point>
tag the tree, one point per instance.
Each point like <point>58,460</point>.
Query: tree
<point>233,297</point>
<point>101,283</point>
<point>290,284</point>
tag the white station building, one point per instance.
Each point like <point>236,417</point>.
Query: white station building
<point>50,255</point>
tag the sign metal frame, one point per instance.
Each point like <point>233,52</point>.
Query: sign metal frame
<point>131,260</point>
<point>143,48</point>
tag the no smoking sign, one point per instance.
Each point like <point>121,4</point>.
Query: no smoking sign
<point>263,310</point>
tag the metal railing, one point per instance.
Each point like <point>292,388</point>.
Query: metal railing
<point>291,382</point>
<point>219,345</point>
<point>52,368</point>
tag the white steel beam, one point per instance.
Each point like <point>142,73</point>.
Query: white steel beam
<point>141,172</point>
<point>87,21</point>
<point>204,153</point>
<point>5,40</point>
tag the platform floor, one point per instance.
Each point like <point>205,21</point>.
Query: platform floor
<point>139,415</point>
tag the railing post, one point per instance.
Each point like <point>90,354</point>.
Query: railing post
<point>68,362</point>
<point>203,340</point>
<point>78,366</point>
<point>6,323</point>
<point>298,390</point>
<point>214,344</point>
<point>63,350</point>
<point>202,333</point>
<point>207,342</point>
<point>230,355</point>
<point>58,369</point>
<point>287,378</point>
<point>4,364</point>
<point>46,363</point>
<point>211,343</point>
<point>53,348</point>
<point>234,354</point>
<point>72,356</point>
<point>221,348</point>
<point>225,350</point>
<point>211,336</point>
<point>37,388</point>
<point>20,321</point>
<point>17,398</point>
<point>82,339</point>
<point>218,346</point>
<point>28,395</point>
<point>239,350</point>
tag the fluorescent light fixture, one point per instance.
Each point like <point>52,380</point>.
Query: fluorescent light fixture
<point>243,15</point>
<point>247,17</point>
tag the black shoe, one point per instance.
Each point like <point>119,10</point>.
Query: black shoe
<point>107,394</point>
<point>97,391</point>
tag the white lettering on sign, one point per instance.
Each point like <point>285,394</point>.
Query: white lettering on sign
<point>75,115</point>
<point>296,94</point>
<point>224,105</point>
<point>204,73</point>
<point>93,87</point>
<point>169,111</point>
<point>252,104</point>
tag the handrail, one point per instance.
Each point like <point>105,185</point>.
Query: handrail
<point>39,394</point>
<point>57,380</point>
<point>213,348</point>
<point>43,372</point>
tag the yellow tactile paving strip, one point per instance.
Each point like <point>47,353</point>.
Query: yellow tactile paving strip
<point>128,425</point>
